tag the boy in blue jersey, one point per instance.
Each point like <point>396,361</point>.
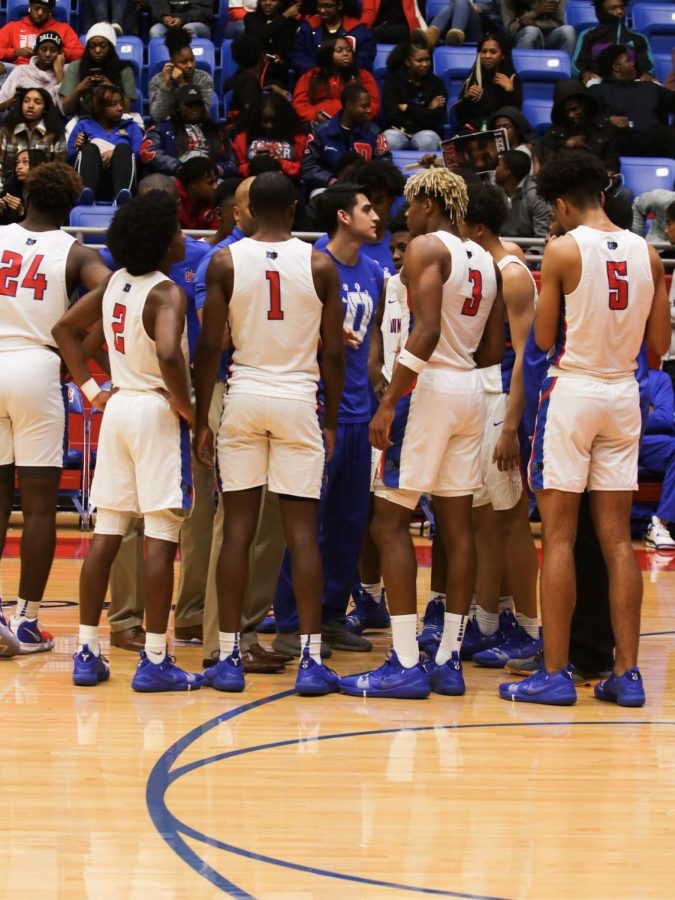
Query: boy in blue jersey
<point>351,221</point>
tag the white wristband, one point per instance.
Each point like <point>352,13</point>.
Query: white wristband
<point>91,389</point>
<point>414,363</point>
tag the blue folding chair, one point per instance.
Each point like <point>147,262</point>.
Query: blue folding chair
<point>98,216</point>
<point>580,14</point>
<point>17,9</point>
<point>539,70</point>
<point>130,50</point>
<point>227,65</point>
<point>380,61</point>
<point>219,22</point>
<point>657,22</point>
<point>663,65</point>
<point>203,49</point>
<point>454,62</point>
<point>537,111</point>
<point>647,173</point>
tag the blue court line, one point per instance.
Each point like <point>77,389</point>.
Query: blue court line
<point>171,828</point>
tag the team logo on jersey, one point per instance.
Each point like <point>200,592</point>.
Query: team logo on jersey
<point>189,276</point>
<point>612,245</point>
<point>30,242</point>
<point>271,254</point>
<point>126,288</point>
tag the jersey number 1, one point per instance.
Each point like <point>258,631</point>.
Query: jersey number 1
<point>275,313</point>
<point>617,275</point>
<point>118,319</point>
<point>472,303</point>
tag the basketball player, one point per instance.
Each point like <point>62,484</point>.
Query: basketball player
<point>279,297</point>
<point>588,424</point>
<point>436,428</point>
<point>40,266</point>
<point>504,541</point>
<point>143,462</point>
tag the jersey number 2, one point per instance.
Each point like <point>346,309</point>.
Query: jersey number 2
<point>118,319</point>
<point>472,303</point>
<point>9,276</point>
<point>617,274</point>
<point>275,313</point>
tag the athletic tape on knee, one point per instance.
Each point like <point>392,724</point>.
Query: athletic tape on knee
<point>111,521</point>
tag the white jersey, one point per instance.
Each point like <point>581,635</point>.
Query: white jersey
<point>468,296</point>
<point>497,379</point>
<point>395,323</point>
<point>604,318</point>
<point>133,354</point>
<point>275,320</point>
<point>33,292</point>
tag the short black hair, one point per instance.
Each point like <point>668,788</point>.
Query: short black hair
<point>195,169</point>
<point>53,188</point>
<point>271,192</point>
<point>226,189</point>
<point>177,39</point>
<point>575,175</point>
<point>246,51</point>
<point>487,206</point>
<point>398,222</point>
<point>517,162</point>
<point>608,57</point>
<point>352,92</point>
<point>142,230</point>
<point>670,212</point>
<point>375,175</point>
<point>341,195</point>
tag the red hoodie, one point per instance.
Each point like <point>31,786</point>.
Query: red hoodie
<point>411,11</point>
<point>15,35</point>
<point>197,214</point>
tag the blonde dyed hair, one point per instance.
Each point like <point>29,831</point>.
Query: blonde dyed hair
<point>443,185</point>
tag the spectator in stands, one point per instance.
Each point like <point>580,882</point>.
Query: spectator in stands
<point>274,27</point>
<point>17,39</point>
<point>612,29</point>
<point>272,128</point>
<point>656,461</point>
<point>104,148</point>
<point>392,21</point>
<point>100,65</point>
<point>659,206</point>
<point>237,10</point>
<point>33,124</point>
<point>458,21</point>
<point>193,15</point>
<point>518,130</point>
<point>537,24</point>
<point>197,180</point>
<point>12,208</point>
<point>189,132</point>
<point>638,110</point>
<point>251,77</point>
<point>347,132</point>
<point>491,84</point>
<point>317,93</point>
<point>333,19</point>
<point>577,124</point>
<point>45,70</point>
<point>114,12</point>
<point>669,236</point>
<point>529,215</point>
<point>413,100</point>
<point>179,70</point>
<point>670,80</point>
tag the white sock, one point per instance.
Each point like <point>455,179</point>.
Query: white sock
<point>314,642</point>
<point>454,627</point>
<point>89,636</point>
<point>530,625</point>
<point>155,647</point>
<point>436,595</point>
<point>487,622</point>
<point>374,591</point>
<point>404,634</point>
<point>26,609</point>
<point>506,604</point>
<point>228,640</point>
<point>473,607</point>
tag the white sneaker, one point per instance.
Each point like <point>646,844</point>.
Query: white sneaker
<point>658,536</point>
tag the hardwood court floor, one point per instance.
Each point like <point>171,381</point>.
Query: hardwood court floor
<point>111,794</point>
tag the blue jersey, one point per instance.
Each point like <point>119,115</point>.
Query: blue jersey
<point>183,274</point>
<point>380,252</point>
<point>508,359</point>
<point>361,287</point>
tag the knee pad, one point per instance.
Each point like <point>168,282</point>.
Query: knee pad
<point>111,521</point>
<point>163,525</point>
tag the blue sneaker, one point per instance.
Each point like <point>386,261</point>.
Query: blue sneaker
<point>366,613</point>
<point>542,687</point>
<point>267,626</point>
<point>89,669</point>
<point>626,689</point>
<point>448,678</point>
<point>475,641</point>
<point>123,196</point>
<point>226,674</point>
<point>314,679</point>
<point>390,680</point>
<point>164,676</point>
<point>430,636</point>
<point>31,638</point>
<point>517,646</point>
<point>87,197</point>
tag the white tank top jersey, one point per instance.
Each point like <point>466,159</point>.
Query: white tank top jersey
<point>497,379</point>
<point>604,318</point>
<point>133,354</point>
<point>275,320</point>
<point>33,289</point>
<point>395,323</point>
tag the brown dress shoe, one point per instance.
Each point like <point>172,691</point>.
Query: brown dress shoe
<point>265,655</point>
<point>129,638</point>
<point>188,633</point>
<point>254,664</point>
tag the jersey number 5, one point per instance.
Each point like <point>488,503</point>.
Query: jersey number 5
<point>472,303</point>
<point>275,313</point>
<point>118,319</point>
<point>617,275</point>
<point>9,276</point>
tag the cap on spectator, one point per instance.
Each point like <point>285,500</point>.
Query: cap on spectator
<point>103,30</point>
<point>46,37</point>
<point>188,93</point>
<point>50,3</point>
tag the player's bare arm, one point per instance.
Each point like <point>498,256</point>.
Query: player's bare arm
<point>219,280</point>
<point>164,321</point>
<point>560,255</point>
<point>376,348</point>
<point>85,266</point>
<point>491,348</point>
<point>518,291</point>
<point>658,329</point>
<point>327,285</point>
<point>427,268</point>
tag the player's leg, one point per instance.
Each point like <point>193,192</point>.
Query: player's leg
<point>9,645</point>
<point>434,612</point>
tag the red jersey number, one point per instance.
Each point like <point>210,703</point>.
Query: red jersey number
<point>617,279</point>
<point>33,280</point>
<point>275,313</point>
<point>118,319</point>
<point>472,303</point>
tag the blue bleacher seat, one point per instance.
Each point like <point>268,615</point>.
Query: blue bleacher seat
<point>539,70</point>
<point>98,216</point>
<point>645,173</point>
<point>537,111</point>
<point>380,62</point>
<point>402,158</point>
<point>130,49</point>
<point>663,64</point>
<point>454,62</point>
<point>227,65</point>
<point>203,49</point>
<point>657,21</point>
<point>17,9</point>
<point>580,14</point>
<point>219,22</point>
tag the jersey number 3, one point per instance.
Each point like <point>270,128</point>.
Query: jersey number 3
<point>118,319</point>
<point>275,313</point>
<point>617,279</point>
<point>472,303</point>
<point>9,276</point>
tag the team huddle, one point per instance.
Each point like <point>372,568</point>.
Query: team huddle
<point>438,385</point>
